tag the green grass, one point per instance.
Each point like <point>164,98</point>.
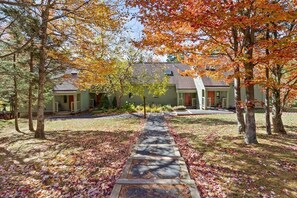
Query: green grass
<point>4,123</point>
<point>221,163</point>
<point>79,157</point>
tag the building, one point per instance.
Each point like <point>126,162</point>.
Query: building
<point>199,92</point>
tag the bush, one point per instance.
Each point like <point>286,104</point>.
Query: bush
<point>179,108</point>
<point>294,103</point>
<point>139,107</point>
<point>104,102</point>
<point>156,108</point>
<point>114,102</point>
<point>130,107</point>
<point>148,109</point>
<point>167,108</point>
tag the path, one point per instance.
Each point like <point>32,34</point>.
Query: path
<point>155,168</point>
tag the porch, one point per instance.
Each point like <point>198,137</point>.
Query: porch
<point>215,98</point>
<point>66,103</point>
<point>187,99</point>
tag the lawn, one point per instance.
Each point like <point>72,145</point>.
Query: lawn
<point>223,166</point>
<point>80,157</point>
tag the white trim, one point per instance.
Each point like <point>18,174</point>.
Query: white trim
<point>194,102</point>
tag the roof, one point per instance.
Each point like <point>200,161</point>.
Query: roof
<point>68,84</point>
<point>209,82</point>
<point>181,82</point>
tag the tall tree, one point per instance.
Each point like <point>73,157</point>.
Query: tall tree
<point>61,26</point>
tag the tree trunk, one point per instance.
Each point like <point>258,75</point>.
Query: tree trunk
<point>267,105</point>
<point>30,94</point>
<point>16,100</point>
<point>144,107</point>
<point>39,133</point>
<point>239,110</point>
<point>119,101</point>
<point>250,131</point>
<point>267,102</point>
<point>278,126</point>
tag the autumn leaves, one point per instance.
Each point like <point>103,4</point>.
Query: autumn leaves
<point>243,38</point>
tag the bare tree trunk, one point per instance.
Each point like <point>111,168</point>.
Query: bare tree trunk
<point>144,107</point>
<point>278,126</point>
<point>237,96</point>
<point>267,102</point>
<point>16,99</point>
<point>39,133</point>
<point>30,94</point>
<point>119,101</point>
<point>267,105</point>
<point>250,131</point>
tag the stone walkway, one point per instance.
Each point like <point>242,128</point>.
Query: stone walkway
<point>155,168</point>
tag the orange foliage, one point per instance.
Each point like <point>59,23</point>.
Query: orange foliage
<point>200,28</point>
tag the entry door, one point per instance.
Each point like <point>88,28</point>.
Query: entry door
<point>211,95</point>
<point>188,101</point>
<point>71,99</point>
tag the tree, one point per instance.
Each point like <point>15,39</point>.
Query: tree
<point>232,29</point>
<point>280,60</point>
<point>61,26</point>
<point>115,84</point>
<point>145,82</point>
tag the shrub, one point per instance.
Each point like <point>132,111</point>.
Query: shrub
<point>156,108</point>
<point>148,109</point>
<point>114,102</point>
<point>130,107</point>
<point>139,107</point>
<point>104,102</point>
<point>179,108</point>
<point>167,108</point>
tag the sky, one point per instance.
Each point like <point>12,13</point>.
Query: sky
<point>136,28</point>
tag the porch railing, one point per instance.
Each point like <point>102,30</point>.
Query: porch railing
<point>56,107</point>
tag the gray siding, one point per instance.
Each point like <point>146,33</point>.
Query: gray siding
<point>85,100</point>
<point>259,96</point>
<point>169,98</point>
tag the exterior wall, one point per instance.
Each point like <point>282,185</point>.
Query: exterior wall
<point>231,97</point>
<point>259,96</point>
<point>48,106</point>
<point>84,100</point>
<point>169,98</point>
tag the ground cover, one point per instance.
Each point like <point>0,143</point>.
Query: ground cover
<point>80,157</point>
<point>223,166</point>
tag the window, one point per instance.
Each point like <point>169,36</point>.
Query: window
<point>168,72</point>
<point>202,92</point>
<point>210,67</point>
<point>65,99</point>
